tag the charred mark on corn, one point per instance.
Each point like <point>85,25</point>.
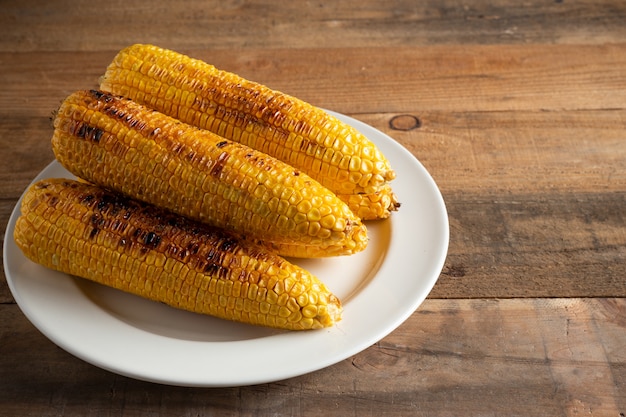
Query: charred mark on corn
<point>53,200</point>
<point>219,164</point>
<point>84,131</point>
<point>99,95</point>
<point>228,245</point>
<point>152,240</point>
<point>192,248</point>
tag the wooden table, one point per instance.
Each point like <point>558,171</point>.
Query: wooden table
<point>517,109</point>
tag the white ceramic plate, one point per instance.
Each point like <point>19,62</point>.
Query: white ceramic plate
<point>380,288</point>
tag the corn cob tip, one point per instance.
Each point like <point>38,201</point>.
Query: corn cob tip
<point>372,206</point>
<point>334,312</point>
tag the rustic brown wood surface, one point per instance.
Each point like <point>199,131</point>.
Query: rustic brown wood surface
<point>517,109</point>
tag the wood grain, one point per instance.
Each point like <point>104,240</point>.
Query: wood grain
<point>448,78</point>
<point>485,357</point>
<point>86,26</point>
<point>518,111</point>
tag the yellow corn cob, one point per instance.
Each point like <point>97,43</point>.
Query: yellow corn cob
<point>302,135</point>
<point>86,231</point>
<point>119,144</point>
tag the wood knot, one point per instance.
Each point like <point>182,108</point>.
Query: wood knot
<point>405,122</point>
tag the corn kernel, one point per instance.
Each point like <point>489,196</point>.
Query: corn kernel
<point>309,311</point>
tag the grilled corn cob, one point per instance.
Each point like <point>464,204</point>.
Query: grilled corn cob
<point>87,231</point>
<point>304,136</point>
<point>119,144</point>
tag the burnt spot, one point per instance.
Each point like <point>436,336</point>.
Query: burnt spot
<point>174,221</point>
<point>111,203</point>
<point>221,144</point>
<point>118,113</point>
<point>173,251</point>
<point>96,94</point>
<point>178,148</point>
<point>97,223</point>
<point>101,95</point>
<point>103,204</point>
<point>243,276</point>
<point>136,123</point>
<point>307,146</point>
<point>112,111</point>
<point>84,131</point>
<point>122,242</point>
<point>211,268</point>
<point>137,233</point>
<point>256,158</point>
<point>193,248</point>
<point>196,231</point>
<point>152,240</point>
<point>218,165</point>
<point>53,200</point>
<point>118,225</point>
<point>212,255</point>
<point>95,219</point>
<point>97,135</point>
<point>190,155</point>
<point>88,199</point>
<point>182,254</point>
<point>228,245</point>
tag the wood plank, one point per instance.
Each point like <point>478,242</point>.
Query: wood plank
<point>523,246</point>
<point>367,80</point>
<point>451,357</point>
<point>30,25</point>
